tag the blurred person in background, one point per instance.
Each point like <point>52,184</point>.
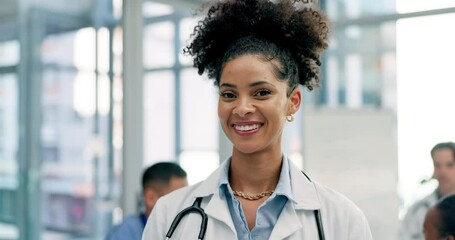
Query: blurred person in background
<point>443,155</point>
<point>258,52</point>
<point>157,181</point>
<point>439,222</point>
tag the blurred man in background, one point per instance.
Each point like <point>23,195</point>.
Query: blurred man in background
<point>443,155</point>
<point>157,181</point>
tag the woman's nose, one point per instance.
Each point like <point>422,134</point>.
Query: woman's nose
<point>243,109</point>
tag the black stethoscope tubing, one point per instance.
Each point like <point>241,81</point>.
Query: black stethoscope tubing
<point>196,207</point>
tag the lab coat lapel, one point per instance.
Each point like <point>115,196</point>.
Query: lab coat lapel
<point>303,190</point>
<point>288,223</point>
<point>306,198</point>
<point>216,207</point>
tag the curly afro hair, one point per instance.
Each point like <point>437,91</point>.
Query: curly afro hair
<point>446,209</point>
<point>282,30</point>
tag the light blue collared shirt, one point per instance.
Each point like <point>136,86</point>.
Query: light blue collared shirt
<point>131,228</point>
<point>269,211</point>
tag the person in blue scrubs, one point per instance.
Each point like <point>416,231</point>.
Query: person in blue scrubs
<point>157,180</point>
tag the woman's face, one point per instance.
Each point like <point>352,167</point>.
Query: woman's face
<point>253,104</point>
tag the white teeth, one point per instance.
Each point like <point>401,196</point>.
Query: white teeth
<point>247,127</point>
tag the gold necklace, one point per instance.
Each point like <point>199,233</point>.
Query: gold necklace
<point>250,197</point>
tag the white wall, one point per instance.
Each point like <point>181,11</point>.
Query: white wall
<point>354,152</point>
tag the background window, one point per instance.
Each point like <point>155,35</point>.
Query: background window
<point>159,117</point>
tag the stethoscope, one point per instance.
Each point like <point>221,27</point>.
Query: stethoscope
<point>196,207</point>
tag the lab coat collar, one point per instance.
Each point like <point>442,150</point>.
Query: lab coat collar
<point>304,191</point>
<point>210,185</point>
<point>287,223</point>
<point>217,207</point>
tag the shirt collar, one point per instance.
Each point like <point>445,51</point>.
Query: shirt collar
<point>303,190</point>
<point>224,172</point>
<point>284,183</point>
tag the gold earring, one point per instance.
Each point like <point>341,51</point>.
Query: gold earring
<point>290,118</point>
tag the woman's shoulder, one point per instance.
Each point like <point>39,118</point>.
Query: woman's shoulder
<point>337,209</point>
<point>335,201</point>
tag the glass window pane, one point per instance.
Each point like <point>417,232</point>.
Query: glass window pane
<point>353,81</point>
<point>332,82</point>
<point>199,164</point>
<point>348,9</point>
<point>84,48</point>
<point>78,46</point>
<point>159,47</point>
<point>8,152</point>
<point>103,50</point>
<point>199,121</point>
<point>67,157</point>
<point>425,91</point>
<point>69,173</point>
<point>357,74</point>
<point>74,163</point>
<point>159,117</point>
<point>405,6</point>
<point>53,46</point>
<point>9,53</point>
<point>154,9</point>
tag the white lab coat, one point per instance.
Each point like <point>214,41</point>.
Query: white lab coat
<point>341,219</point>
<point>411,227</point>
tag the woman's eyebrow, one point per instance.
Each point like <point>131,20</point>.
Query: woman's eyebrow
<point>259,83</point>
<point>228,85</point>
<point>255,84</point>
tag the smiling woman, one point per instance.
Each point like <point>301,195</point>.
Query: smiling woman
<point>253,104</point>
<point>258,52</point>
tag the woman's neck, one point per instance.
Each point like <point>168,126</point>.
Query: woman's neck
<point>254,173</point>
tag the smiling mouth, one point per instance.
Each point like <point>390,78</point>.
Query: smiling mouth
<point>246,128</point>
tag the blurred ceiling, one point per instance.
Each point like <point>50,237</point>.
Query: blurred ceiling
<point>8,8</point>
<point>184,5</point>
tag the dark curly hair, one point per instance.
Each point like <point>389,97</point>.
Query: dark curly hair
<point>446,209</point>
<point>282,30</point>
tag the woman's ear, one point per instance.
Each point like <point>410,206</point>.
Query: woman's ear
<point>295,100</point>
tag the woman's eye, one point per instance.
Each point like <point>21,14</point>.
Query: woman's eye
<point>227,95</point>
<point>262,93</point>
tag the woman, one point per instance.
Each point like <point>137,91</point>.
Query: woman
<point>439,222</point>
<point>257,52</point>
